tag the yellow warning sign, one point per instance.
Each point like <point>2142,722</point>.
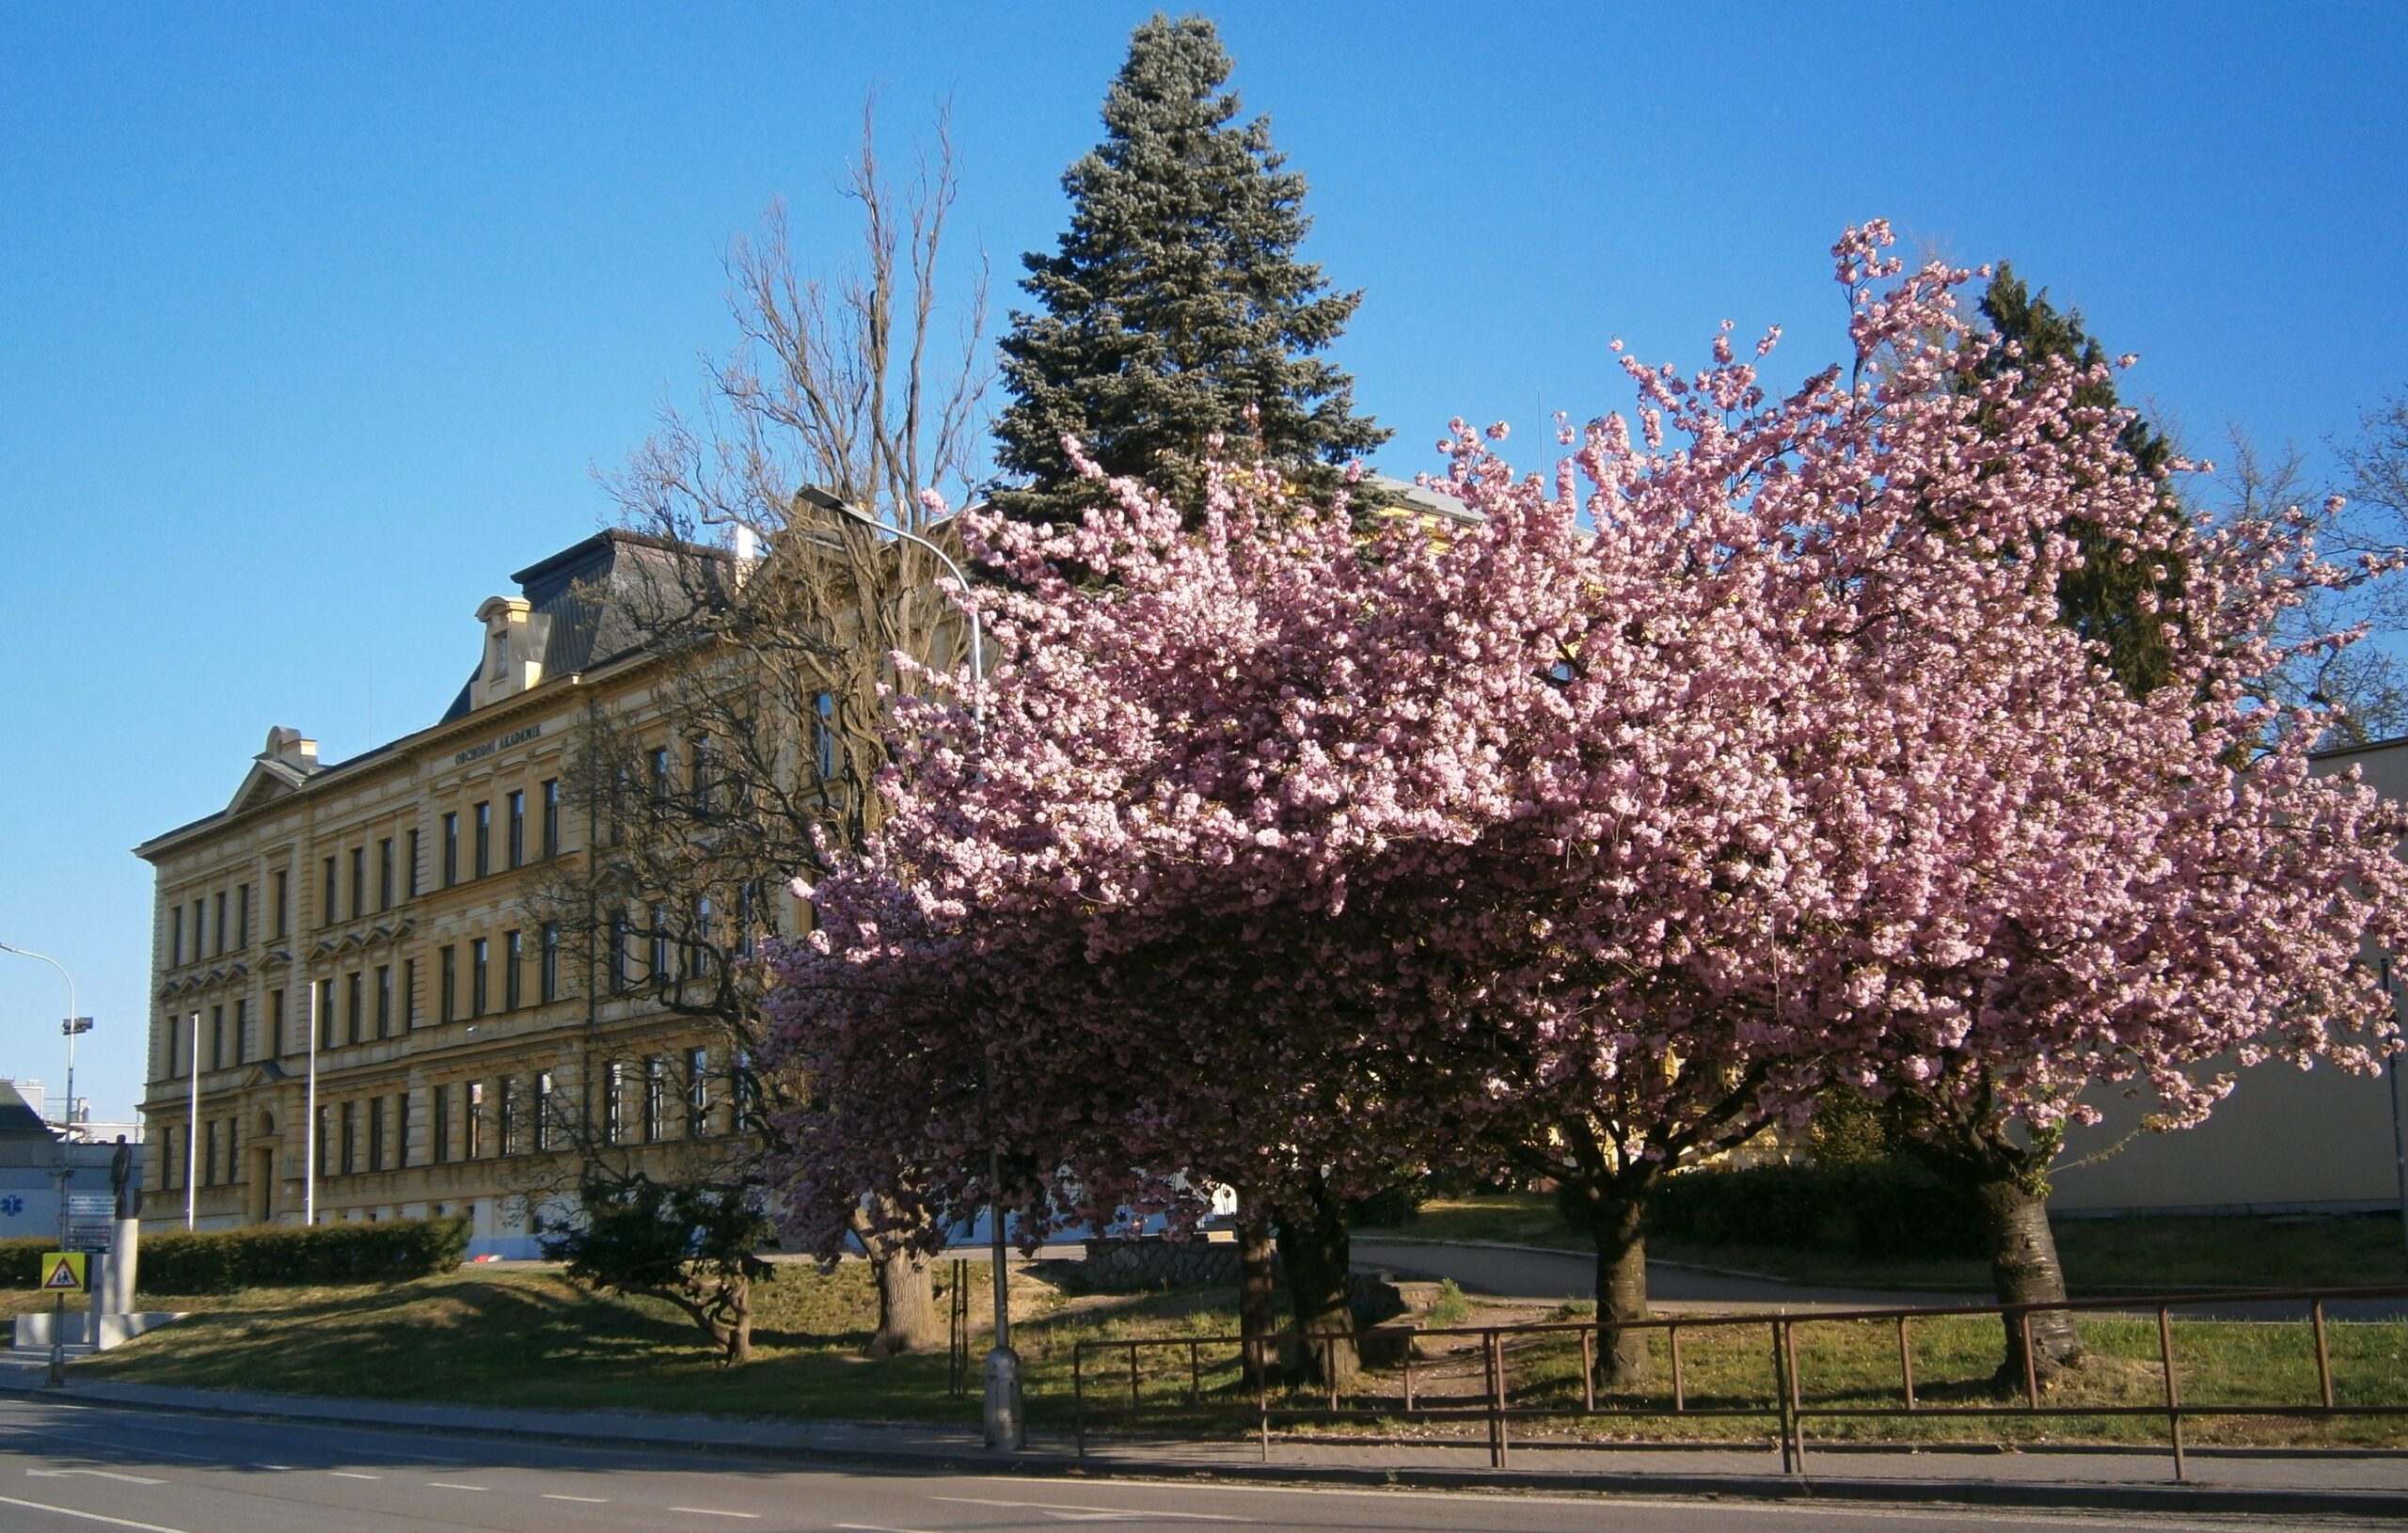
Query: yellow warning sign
<point>62,1271</point>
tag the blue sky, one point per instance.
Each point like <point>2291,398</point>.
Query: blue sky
<point>315,321</point>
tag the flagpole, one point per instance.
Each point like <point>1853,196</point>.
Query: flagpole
<point>192,1132</point>
<point>310,1125</point>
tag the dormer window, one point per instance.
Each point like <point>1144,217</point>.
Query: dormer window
<point>513,641</point>
<point>500,665</point>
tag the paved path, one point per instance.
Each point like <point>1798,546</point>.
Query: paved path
<point>1514,1272</point>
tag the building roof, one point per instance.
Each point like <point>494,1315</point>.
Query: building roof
<point>19,1122</point>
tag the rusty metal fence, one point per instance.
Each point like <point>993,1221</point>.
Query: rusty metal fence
<point>1102,1370</point>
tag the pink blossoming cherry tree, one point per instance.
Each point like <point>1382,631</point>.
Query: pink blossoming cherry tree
<point>1745,757</point>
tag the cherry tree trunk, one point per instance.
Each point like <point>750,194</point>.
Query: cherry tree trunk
<point>907,1320</point>
<point>2024,1266</point>
<point>1314,1248</point>
<point>1619,1223</point>
<point>1257,1283</point>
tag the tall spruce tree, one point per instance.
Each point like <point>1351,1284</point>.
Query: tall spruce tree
<point>2103,601</point>
<point>1175,301</point>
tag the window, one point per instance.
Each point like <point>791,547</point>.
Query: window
<point>618,949</point>
<point>358,882</point>
<point>547,972</point>
<point>508,1087</point>
<point>745,1092</point>
<point>233,1166</point>
<point>326,1138</point>
<point>543,1112</point>
<point>276,1025</point>
<point>344,1151</point>
<point>242,921</point>
<point>499,644</point>
<point>221,923</point>
<point>551,816</point>
<point>747,908</point>
<point>823,736</point>
<point>209,1154</point>
<point>698,957</point>
<point>217,1037</point>
<point>385,874</point>
<point>515,835</point>
<point>656,1096</point>
<point>410,871</point>
<point>325,1003</point>
<point>476,1119</point>
<point>242,1023</point>
<point>409,994</point>
<point>173,1027</point>
<point>439,1129</point>
<point>384,999</point>
<point>698,1092</point>
<point>176,934</point>
<point>659,944</point>
<point>477,977</point>
<point>484,837</point>
<point>326,912</point>
<point>661,772</point>
<point>354,989</point>
<point>375,1133</point>
<point>614,1089</point>
<point>451,850</point>
<point>446,983</point>
<point>401,1131</point>
<point>511,953</point>
<point>705,788</point>
<point>280,885</point>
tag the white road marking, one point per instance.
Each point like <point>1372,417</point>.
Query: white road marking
<point>346,1474</point>
<point>96,1474</point>
<point>451,1485</point>
<point>88,1516</point>
<point>587,1500</point>
<point>1068,1512</point>
<point>2037,1516</point>
<point>875,1527</point>
<point>706,1512</point>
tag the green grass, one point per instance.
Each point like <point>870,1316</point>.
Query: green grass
<point>530,1338</point>
<point>2101,1257</point>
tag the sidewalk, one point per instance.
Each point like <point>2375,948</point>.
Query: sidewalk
<point>2237,1482</point>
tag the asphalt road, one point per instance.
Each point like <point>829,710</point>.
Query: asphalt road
<point>66,1468</point>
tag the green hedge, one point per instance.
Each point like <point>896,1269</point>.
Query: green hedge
<point>219,1261</point>
<point>1884,1209</point>
<point>21,1261</point>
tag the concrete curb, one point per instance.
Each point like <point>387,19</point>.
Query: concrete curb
<point>631,1432</point>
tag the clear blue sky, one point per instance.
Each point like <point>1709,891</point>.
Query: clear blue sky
<point>314,320</point>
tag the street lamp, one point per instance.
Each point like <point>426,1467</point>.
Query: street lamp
<point>1006,1428</point>
<point>74,1027</point>
<point>67,1110</point>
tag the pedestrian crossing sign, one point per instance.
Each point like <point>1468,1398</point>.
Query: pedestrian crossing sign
<point>62,1271</point>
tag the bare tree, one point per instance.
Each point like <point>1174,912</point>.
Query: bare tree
<point>775,630</point>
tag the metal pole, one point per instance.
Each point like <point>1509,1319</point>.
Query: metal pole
<point>192,1130</point>
<point>2399,1141</point>
<point>310,1114</point>
<point>1006,1429</point>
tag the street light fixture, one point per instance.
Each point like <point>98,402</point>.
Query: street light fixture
<point>1007,1430</point>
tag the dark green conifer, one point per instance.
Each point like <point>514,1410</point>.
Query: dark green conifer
<point>1175,301</point>
<point>2102,601</point>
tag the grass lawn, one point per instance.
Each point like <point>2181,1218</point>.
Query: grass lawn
<point>2101,1257</point>
<point>528,1337</point>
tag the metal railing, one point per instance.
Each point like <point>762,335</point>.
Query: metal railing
<point>1389,1391</point>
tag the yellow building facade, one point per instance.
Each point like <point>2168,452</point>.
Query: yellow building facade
<point>359,1008</point>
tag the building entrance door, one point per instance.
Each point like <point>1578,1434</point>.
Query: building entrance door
<point>263,1178</point>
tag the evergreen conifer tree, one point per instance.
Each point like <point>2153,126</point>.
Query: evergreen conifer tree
<point>1175,301</point>
<point>2103,600</point>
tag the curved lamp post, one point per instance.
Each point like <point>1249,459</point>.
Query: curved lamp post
<point>1006,1429</point>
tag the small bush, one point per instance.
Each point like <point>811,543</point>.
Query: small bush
<point>219,1261</point>
<point>21,1261</point>
<point>1883,1210</point>
<point>1390,1208</point>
